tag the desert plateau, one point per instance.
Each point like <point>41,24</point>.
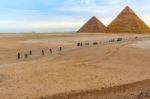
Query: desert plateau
<point>104,67</point>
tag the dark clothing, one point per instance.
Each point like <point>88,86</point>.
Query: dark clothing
<point>18,55</point>
<point>30,52</point>
<point>50,50</point>
<point>60,48</point>
<point>42,52</point>
<point>26,55</point>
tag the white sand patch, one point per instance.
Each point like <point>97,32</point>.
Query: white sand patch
<point>141,44</point>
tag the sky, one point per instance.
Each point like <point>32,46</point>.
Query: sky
<point>63,15</point>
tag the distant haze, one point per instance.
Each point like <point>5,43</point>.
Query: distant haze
<point>63,15</point>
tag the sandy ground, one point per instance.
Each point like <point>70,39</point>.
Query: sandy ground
<point>75,68</point>
<point>137,90</point>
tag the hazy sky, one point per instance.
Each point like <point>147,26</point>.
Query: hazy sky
<point>63,15</point>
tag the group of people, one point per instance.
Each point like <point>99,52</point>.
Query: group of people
<point>96,43</point>
<point>30,53</point>
<point>26,55</point>
<point>119,39</point>
<point>60,48</point>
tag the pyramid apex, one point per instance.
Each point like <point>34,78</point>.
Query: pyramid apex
<point>93,17</point>
<point>127,8</point>
<point>93,25</point>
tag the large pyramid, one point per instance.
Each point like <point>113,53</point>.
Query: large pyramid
<point>93,26</point>
<point>127,22</point>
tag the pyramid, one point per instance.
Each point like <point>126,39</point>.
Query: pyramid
<point>127,22</point>
<point>92,26</point>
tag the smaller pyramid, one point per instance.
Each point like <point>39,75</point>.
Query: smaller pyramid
<point>127,22</point>
<point>93,26</point>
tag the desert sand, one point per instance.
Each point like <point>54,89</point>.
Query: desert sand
<point>90,71</point>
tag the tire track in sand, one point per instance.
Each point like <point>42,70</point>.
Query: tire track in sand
<point>111,51</point>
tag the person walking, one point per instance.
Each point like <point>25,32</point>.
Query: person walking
<point>42,52</point>
<point>60,48</point>
<point>50,50</point>
<point>18,56</point>
<point>26,56</point>
<point>30,52</point>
